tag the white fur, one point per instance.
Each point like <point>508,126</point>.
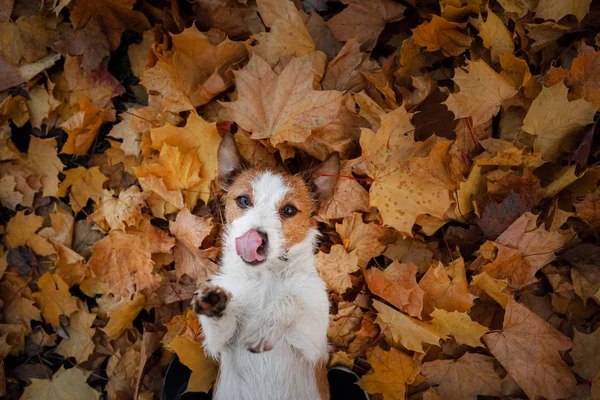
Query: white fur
<point>280,303</point>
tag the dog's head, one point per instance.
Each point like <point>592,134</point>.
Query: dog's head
<point>269,214</point>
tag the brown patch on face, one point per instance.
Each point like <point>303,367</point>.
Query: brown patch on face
<point>296,227</point>
<point>321,379</point>
<point>241,186</point>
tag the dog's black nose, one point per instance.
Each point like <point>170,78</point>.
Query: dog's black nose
<point>263,236</point>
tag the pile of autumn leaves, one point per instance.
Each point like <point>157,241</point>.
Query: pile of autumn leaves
<point>95,239</point>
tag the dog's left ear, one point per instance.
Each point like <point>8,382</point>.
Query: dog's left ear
<point>230,160</point>
<point>324,177</point>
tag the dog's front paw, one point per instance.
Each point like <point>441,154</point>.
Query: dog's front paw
<point>261,339</point>
<point>210,300</point>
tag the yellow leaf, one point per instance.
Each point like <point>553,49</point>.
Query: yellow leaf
<point>54,298</point>
<point>482,92</point>
<point>191,354</point>
<point>392,371</point>
<point>514,70</point>
<point>79,344</point>
<point>495,35</point>
<point>122,314</point>
<point>554,120</point>
<point>21,231</point>
<point>65,384</point>
<point>454,10</point>
<point>121,212</point>
<point>85,184</point>
<point>281,107</point>
<point>492,287</point>
<point>439,34</point>
<point>14,109</point>
<point>407,331</point>
<point>161,78</point>
<point>364,238</point>
<point>441,292</point>
<point>190,229</point>
<point>83,127</point>
<point>460,326</point>
<point>336,266</point>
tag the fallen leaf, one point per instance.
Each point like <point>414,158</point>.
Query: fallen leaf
<point>79,344</point>
<point>122,314</point>
<point>492,287</point>
<point>365,20</point>
<point>28,38</point>
<point>344,325</point>
<point>90,43</point>
<point>82,127</point>
<point>360,237</point>
<point>54,298</point>
<point>84,184</point>
<point>407,331</point>
<point>553,9</point>
<point>442,292</point>
<point>477,79</point>
<point>397,284</point>
<point>99,86</point>
<point>460,326</point>
<point>496,35</point>
<point>450,377</point>
<point>585,347</point>
<point>335,268</point>
<point>392,371</point>
<point>454,10</point>
<point>18,309</point>
<point>119,213</point>
<point>277,100</point>
<point>581,75</point>
<point>555,121</point>
<point>529,350</point>
<point>21,231</point>
<point>64,384</point>
<point>42,158</point>
<point>439,34</point>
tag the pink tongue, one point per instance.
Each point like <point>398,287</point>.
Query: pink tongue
<point>247,246</point>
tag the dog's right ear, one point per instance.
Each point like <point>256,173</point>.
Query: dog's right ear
<point>230,160</point>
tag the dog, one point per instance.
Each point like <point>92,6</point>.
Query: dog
<point>265,315</point>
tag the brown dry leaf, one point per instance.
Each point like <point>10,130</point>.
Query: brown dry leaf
<point>82,127</point>
<point>439,34</point>
<point>470,376</point>
<point>360,237</point>
<point>90,43</point>
<point>392,371</point>
<point>545,34</point>
<point>478,79</point>
<point>64,384</point>
<point>84,184</point>
<point>348,197</point>
<point>79,344</point>
<point>122,313</point>
<point>397,284</point>
<point>122,370</point>
<point>14,108</point>
<point>496,35</point>
<point>589,208</point>
<point>587,365</point>
<point>407,331</point>
<point>344,325</point>
<point>442,292</point>
<point>528,348</point>
<point>492,287</point>
<point>17,308</point>
<point>123,259</point>
<point>41,105</point>
<point>28,38</point>
<point>281,107</point>
<point>336,266</point>
<point>365,20</point>
<point>460,326</point>
<point>349,58</point>
<point>514,70</point>
<point>21,231</point>
<point>454,10</point>
<point>161,79</point>
<point>122,211</point>
<point>555,121</point>
<point>190,229</point>
<point>113,16</point>
<point>581,77</point>
<point>54,298</point>
<point>42,158</point>
<point>556,9</point>
<point>399,189</point>
<point>99,86</point>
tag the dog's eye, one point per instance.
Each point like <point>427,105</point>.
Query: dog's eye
<point>242,201</point>
<point>289,210</point>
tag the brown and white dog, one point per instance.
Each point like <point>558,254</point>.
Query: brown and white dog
<point>265,315</point>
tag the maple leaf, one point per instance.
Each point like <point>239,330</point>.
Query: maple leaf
<point>460,326</point>
<point>514,70</point>
<point>82,127</point>
<point>42,158</point>
<point>21,231</point>
<point>580,78</point>
<point>99,86</point>
<point>454,10</point>
<point>119,213</point>
<point>365,20</point>
<point>348,196</point>
<point>392,371</point>
<point>360,237</point>
<point>281,107</point>
<point>335,268</point>
<point>122,313</point>
<point>439,34</point>
<point>17,307</point>
<point>65,384</point>
<point>589,208</point>
<point>587,365</point>
<point>555,9</point>
<point>79,343</point>
<point>492,287</point>
<point>41,104</point>
<point>405,330</point>
<point>496,35</point>
<point>121,370</point>
<point>113,16</point>
<point>123,259</point>
<point>482,92</point>
<point>452,376</point>
<point>344,325</point>
<point>397,284</point>
<point>161,78</point>
<point>529,348</point>
<point>84,184</point>
<point>441,292</point>
<point>28,38</point>
<point>349,58</point>
<point>90,43</point>
<point>190,229</point>
<point>388,154</point>
<point>554,120</point>
<point>54,298</point>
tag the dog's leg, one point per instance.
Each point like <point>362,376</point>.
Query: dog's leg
<point>270,324</point>
<point>217,315</point>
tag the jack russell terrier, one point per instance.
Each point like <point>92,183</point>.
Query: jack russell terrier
<point>265,315</point>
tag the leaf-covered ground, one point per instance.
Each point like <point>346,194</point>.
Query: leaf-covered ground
<point>461,245</point>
